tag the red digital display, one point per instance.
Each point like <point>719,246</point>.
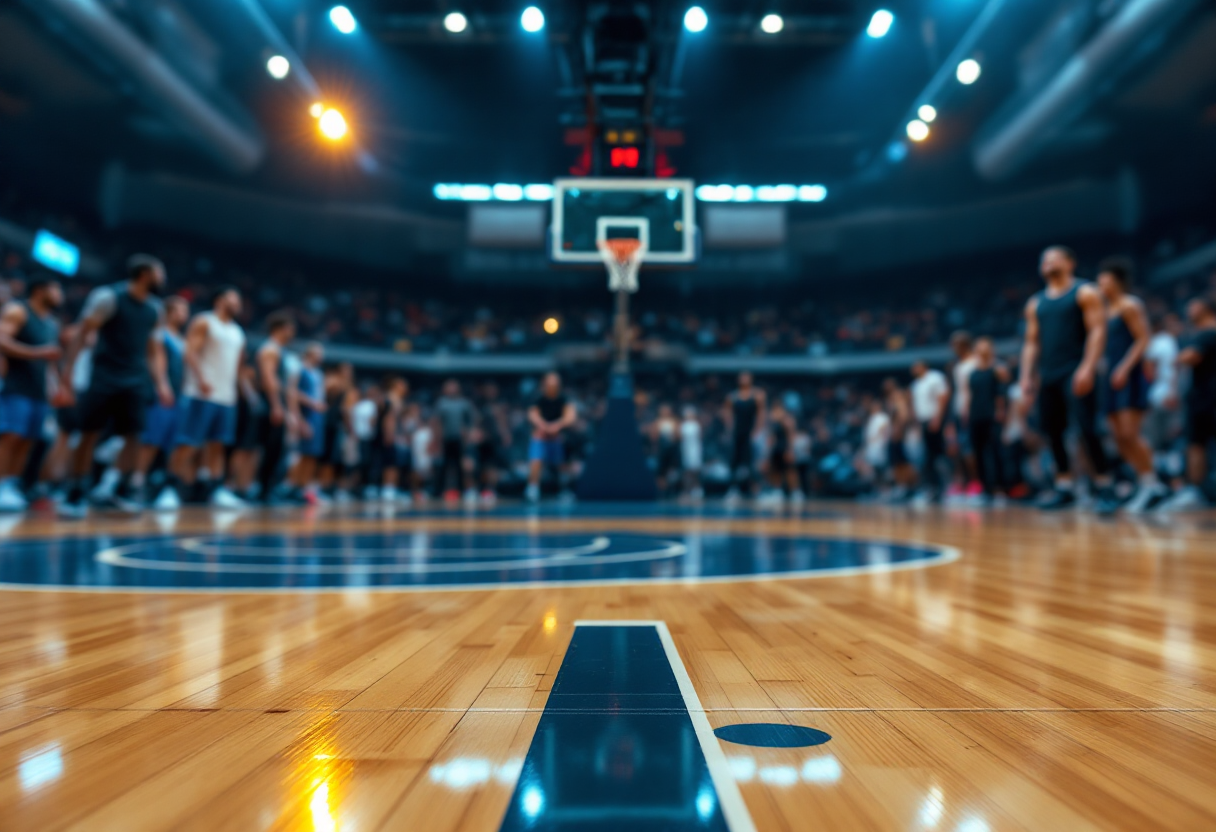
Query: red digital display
<point>625,157</point>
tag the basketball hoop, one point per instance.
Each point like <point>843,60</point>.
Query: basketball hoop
<point>623,257</point>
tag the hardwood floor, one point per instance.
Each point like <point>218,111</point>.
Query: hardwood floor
<point>1060,675</point>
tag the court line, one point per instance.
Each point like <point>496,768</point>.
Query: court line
<point>946,555</point>
<point>730,800</point>
<point>200,546</point>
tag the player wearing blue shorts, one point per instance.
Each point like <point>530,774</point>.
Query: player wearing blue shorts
<point>29,340</point>
<point>160,423</point>
<point>1125,383</point>
<point>214,353</point>
<point>549,416</point>
<point>307,396</point>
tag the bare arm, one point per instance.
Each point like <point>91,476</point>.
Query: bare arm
<point>534,418</point>
<point>1189,357</point>
<point>1095,338</point>
<point>1137,323</point>
<point>196,340</point>
<point>761,408</point>
<point>268,360</point>
<point>569,416</point>
<point>158,364</point>
<point>1030,351</point>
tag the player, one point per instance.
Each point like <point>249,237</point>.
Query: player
<point>930,405</point>
<point>126,317</point>
<point>1200,355</point>
<point>986,408</point>
<point>1065,338</point>
<point>550,415</point>
<point>162,422</point>
<point>782,477</point>
<point>899,408</point>
<point>271,361</point>
<point>391,453</point>
<point>453,424</point>
<point>667,448</point>
<point>963,346</point>
<point>29,342</point>
<point>215,351</point>
<point>877,441</point>
<point>691,452</point>
<point>744,413</point>
<point>1127,340</point>
<point>247,448</point>
<point>306,401</point>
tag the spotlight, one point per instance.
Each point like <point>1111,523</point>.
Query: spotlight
<point>343,20</point>
<point>695,19</point>
<point>552,326</point>
<point>812,193</point>
<point>316,109</point>
<point>918,131</point>
<point>278,67</point>
<point>968,72</point>
<point>508,193</point>
<point>455,23</point>
<point>927,113</point>
<point>880,23</point>
<point>332,125</point>
<point>771,24</point>
<point>533,19</point>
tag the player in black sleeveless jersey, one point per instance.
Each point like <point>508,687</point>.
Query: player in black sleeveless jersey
<point>1065,338</point>
<point>744,411</point>
<point>29,341</point>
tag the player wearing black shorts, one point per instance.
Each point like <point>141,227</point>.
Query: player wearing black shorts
<point>1198,353</point>
<point>744,411</point>
<point>272,382</point>
<point>125,317</point>
<point>1065,338</point>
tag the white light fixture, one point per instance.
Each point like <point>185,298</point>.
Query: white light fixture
<point>508,193</point>
<point>771,24</point>
<point>968,72</point>
<point>918,131</point>
<point>455,22</point>
<point>278,67</point>
<point>927,113</point>
<point>812,193</point>
<point>343,20</point>
<point>880,23</point>
<point>538,192</point>
<point>695,19</point>
<point>533,19</point>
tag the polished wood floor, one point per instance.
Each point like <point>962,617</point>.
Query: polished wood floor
<point>1061,675</point>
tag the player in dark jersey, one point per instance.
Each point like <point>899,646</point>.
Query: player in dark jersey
<point>161,424</point>
<point>1198,353</point>
<point>271,362</point>
<point>782,475</point>
<point>1126,384</point>
<point>1065,338</point>
<point>985,417</point>
<point>744,412</point>
<point>126,317</point>
<point>550,415</point>
<point>29,341</point>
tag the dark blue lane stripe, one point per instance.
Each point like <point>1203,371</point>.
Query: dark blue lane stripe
<point>615,746</point>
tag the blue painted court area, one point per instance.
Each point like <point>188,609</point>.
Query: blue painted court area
<point>418,559</point>
<point>616,747</point>
<point>772,735</point>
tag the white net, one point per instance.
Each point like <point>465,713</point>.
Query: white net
<point>623,257</point>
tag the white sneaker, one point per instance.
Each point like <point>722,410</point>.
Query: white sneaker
<point>470,497</point>
<point>11,499</point>
<point>388,494</point>
<point>1187,499</point>
<point>798,498</point>
<point>532,493</point>
<point>167,500</point>
<point>1144,498</point>
<point>732,496</point>
<point>223,498</point>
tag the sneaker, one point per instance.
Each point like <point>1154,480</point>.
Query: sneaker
<point>532,493</point>
<point>1107,503</point>
<point>451,496</point>
<point>388,494</point>
<point>223,498</point>
<point>1057,499</point>
<point>11,498</point>
<point>1146,498</point>
<point>73,508</point>
<point>697,494</point>
<point>488,498</point>
<point>113,502</point>
<point>167,500</point>
<point>470,497</point>
<point>1186,499</point>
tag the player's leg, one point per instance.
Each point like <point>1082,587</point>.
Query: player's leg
<point>1053,419</point>
<point>17,414</point>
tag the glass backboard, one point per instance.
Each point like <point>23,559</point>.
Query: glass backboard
<point>660,211</point>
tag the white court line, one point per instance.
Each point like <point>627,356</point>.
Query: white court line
<point>945,555</point>
<point>209,547</point>
<point>734,810</point>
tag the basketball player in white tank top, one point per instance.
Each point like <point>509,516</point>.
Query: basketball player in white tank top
<point>215,351</point>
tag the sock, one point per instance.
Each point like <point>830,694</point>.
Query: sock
<point>137,479</point>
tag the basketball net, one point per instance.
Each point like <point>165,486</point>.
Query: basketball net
<point>623,257</point>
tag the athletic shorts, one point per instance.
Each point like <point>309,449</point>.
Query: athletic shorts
<point>314,446</point>
<point>742,454</point>
<point>897,452</point>
<point>248,435</point>
<point>161,427</point>
<point>778,461</point>
<point>548,451</point>
<point>201,422</point>
<point>68,419</point>
<point>1201,427</point>
<point>122,409</point>
<point>22,416</point>
<point>1132,396</point>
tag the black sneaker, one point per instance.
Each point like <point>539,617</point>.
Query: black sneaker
<point>1057,500</point>
<point>1108,503</point>
<point>73,508</point>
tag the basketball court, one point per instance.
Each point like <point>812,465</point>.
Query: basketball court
<point>567,669</point>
